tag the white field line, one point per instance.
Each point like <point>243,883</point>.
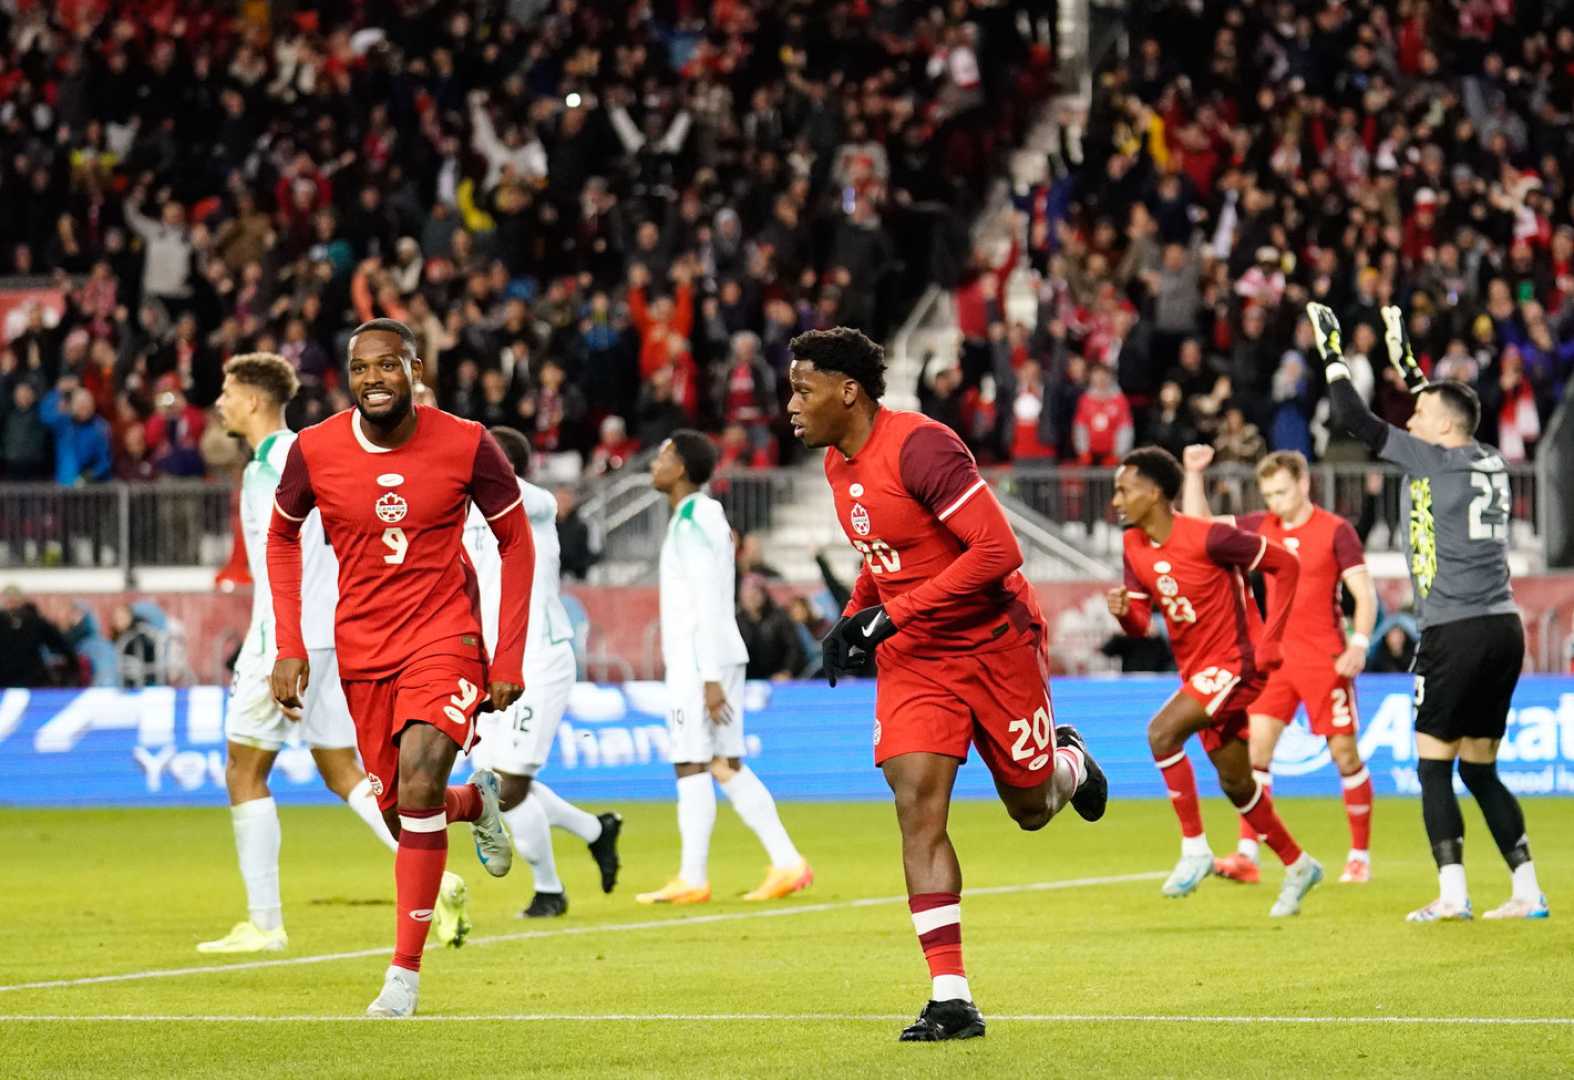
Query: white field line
<point>574,931</point>
<point>830,1018</point>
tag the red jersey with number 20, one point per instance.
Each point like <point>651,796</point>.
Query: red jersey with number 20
<point>394,518</point>
<point>1197,578</point>
<point>937,549</point>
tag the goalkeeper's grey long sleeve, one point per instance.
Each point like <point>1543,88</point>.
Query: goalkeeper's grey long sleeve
<point>1352,414</point>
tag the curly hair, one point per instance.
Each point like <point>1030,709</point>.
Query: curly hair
<point>268,372</point>
<point>845,351</point>
<point>1159,466</point>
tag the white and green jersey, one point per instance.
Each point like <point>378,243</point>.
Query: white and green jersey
<point>319,567</point>
<point>549,624</point>
<point>699,621</point>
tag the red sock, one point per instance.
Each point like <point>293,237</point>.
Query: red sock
<point>418,875</point>
<point>1182,783</point>
<point>462,802</point>
<point>1265,819</point>
<point>1358,808</point>
<point>1265,778</point>
<point>937,917</point>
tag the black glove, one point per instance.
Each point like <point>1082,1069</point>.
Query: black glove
<point>850,645</point>
<point>1400,354</point>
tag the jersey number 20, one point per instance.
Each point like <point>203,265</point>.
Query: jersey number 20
<point>879,549</point>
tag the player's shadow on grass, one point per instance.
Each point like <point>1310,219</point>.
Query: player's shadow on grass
<point>350,901</point>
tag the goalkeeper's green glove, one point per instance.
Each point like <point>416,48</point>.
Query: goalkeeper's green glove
<point>1400,354</point>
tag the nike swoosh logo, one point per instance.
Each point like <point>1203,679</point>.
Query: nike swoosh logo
<point>874,624</point>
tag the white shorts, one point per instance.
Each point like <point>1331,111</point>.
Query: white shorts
<point>253,718</point>
<point>519,740</point>
<point>693,737</point>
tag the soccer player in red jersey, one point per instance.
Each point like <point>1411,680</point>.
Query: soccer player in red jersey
<point>961,642</point>
<point>1195,571</point>
<point>1320,665</point>
<point>394,483</point>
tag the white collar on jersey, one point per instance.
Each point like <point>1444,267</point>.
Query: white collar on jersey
<point>360,436</point>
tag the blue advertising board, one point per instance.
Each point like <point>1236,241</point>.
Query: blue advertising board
<point>165,747</point>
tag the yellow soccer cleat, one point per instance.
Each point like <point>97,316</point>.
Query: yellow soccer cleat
<point>677,891</point>
<point>783,881</point>
<point>244,937</point>
<point>451,916</point>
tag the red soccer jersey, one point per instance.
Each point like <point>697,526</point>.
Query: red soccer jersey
<point>1328,549</point>
<point>938,552</point>
<point>394,518</point>
<point>1198,579</point>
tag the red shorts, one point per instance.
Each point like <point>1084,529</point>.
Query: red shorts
<point>444,685</point>
<point>1329,698</point>
<point>998,701</point>
<point>1225,697</point>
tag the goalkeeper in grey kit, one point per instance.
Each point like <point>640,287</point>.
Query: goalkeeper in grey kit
<point>1456,504</point>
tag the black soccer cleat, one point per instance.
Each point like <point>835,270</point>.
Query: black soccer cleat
<point>1092,794</point>
<point>941,1020</point>
<point>546,905</point>
<point>604,849</point>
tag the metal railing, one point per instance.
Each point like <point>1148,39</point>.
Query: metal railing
<point>115,525</point>
<point>1076,501</point>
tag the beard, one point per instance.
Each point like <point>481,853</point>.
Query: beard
<point>401,407</point>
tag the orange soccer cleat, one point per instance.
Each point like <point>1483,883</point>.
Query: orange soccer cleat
<point>1238,867</point>
<point>677,891</point>
<point>783,881</point>
<point>1356,872</point>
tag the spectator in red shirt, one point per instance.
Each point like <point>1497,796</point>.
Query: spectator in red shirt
<point>1102,427</point>
<point>613,449</point>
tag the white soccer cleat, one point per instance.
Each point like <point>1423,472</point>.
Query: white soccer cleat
<point>244,937</point>
<point>1441,910</point>
<point>492,845</point>
<point>1517,908</point>
<point>1187,875</point>
<point>401,987</point>
<point>1299,880</point>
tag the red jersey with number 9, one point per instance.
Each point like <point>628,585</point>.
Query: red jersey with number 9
<point>894,499</point>
<point>394,519</point>
<point>1197,579</point>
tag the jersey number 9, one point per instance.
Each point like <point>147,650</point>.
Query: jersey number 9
<point>398,546</point>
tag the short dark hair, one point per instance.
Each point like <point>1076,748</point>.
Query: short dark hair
<point>1460,400</point>
<point>1159,466</point>
<point>268,372</point>
<point>846,351</point>
<point>516,448</point>
<point>697,453</point>
<point>388,326</point>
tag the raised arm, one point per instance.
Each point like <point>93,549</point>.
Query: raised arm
<point>1194,493</point>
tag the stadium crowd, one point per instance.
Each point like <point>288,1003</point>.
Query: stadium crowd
<point>1250,157</point>
<point>602,221</point>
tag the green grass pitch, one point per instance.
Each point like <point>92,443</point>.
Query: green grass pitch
<point>1075,979</point>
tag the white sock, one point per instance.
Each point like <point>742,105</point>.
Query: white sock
<point>758,811</point>
<point>1195,845</point>
<point>1249,848</point>
<point>1070,770</point>
<point>696,819</point>
<point>562,814</point>
<point>364,803</point>
<point>257,846</point>
<point>1357,855</point>
<point>950,987</point>
<point>533,840</point>
<point>1451,884</point>
<point>1525,884</point>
